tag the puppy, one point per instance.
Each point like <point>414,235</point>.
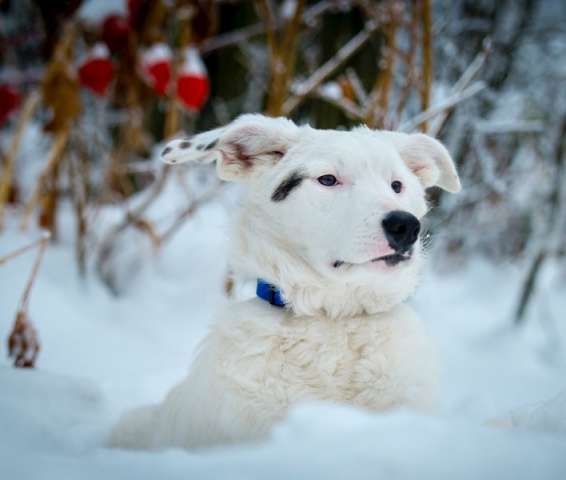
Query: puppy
<point>330,228</point>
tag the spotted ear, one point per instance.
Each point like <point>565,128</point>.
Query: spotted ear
<point>428,159</point>
<point>249,144</point>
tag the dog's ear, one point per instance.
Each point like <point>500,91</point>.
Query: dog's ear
<point>428,159</point>
<point>244,147</point>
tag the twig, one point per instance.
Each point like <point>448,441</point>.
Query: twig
<point>26,248</point>
<point>43,242</point>
<point>546,249</point>
<point>357,86</point>
<point>78,183</point>
<point>246,33</point>
<point>55,156</point>
<point>328,68</point>
<point>469,74</point>
<point>107,244</point>
<point>283,51</point>
<point>231,38</point>
<point>23,343</point>
<point>410,76</point>
<point>188,212</point>
<point>447,104</point>
<point>29,107</point>
<point>426,24</point>
<point>349,108</point>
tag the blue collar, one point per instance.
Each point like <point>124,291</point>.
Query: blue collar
<point>270,293</point>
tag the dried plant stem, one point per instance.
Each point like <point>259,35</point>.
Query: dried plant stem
<point>447,104</point>
<point>54,158</point>
<point>130,218</point>
<point>466,78</point>
<point>282,50</point>
<point>379,104</point>
<point>357,86</point>
<point>328,68</point>
<point>188,212</point>
<point>426,23</point>
<point>78,181</point>
<point>23,343</point>
<point>547,248</point>
<point>246,33</point>
<point>6,179</point>
<point>20,251</point>
<point>349,108</point>
<point>410,77</point>
<point>42,246</point>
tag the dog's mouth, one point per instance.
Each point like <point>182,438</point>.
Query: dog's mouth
<point>389,260</point>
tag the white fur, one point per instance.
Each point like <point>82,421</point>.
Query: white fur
<point>346,335</point>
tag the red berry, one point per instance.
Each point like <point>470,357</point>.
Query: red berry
<point>192,81</point>
<point>156,67</point>
<point>10,100</point>
<point>97,71</point>
<point>192,90</point>
<point>115,31</point>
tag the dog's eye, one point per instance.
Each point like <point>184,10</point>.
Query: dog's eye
<point>397,186</point>
<point>327,180</point>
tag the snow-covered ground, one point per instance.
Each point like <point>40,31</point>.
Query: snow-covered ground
<point>103,354</point>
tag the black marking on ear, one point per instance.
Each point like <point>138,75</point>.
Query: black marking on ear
<point>184,144</point>
<point>165,151</point>
<point>211,145</point>
<point>286,186</point>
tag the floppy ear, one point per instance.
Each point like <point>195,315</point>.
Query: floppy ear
<point>428,159</point>
<point>249,144</point>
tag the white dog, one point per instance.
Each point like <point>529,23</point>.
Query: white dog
<point>329,226</point>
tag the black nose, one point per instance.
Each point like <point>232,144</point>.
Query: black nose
<point>401,229</point>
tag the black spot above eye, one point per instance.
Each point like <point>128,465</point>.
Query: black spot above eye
<point>397,186</point>
<point>287,186</point>
<point>327,180</point>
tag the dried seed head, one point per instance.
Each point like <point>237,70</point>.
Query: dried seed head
<point>23,343</point>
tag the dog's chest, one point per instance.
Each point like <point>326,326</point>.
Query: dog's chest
<point>307,358</point>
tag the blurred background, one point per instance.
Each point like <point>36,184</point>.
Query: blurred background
<point>90,89</point>
<point>112,265</point>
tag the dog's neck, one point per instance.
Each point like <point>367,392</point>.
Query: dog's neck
<point>304,290</point>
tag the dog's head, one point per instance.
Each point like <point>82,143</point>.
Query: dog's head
<point>332,217</point>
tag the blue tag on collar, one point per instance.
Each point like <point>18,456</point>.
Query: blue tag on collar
<point>270,293</point>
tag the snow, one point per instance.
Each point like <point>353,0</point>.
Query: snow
<point>159,52</point>
<point>331,90</point>
<point>503,413</point>
<point>95,11</point>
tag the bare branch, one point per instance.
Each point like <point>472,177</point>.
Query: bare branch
<point>24,249</point>
<point>29,107</point>
<point>55,156</point>
<point>349,108</point>
<point>357,86</point>
<point>447,104</point>
<point>426,24</point>
<point>328,68</point>
<point>469,74</point>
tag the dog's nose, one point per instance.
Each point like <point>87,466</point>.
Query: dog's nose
<point>401,229</point>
